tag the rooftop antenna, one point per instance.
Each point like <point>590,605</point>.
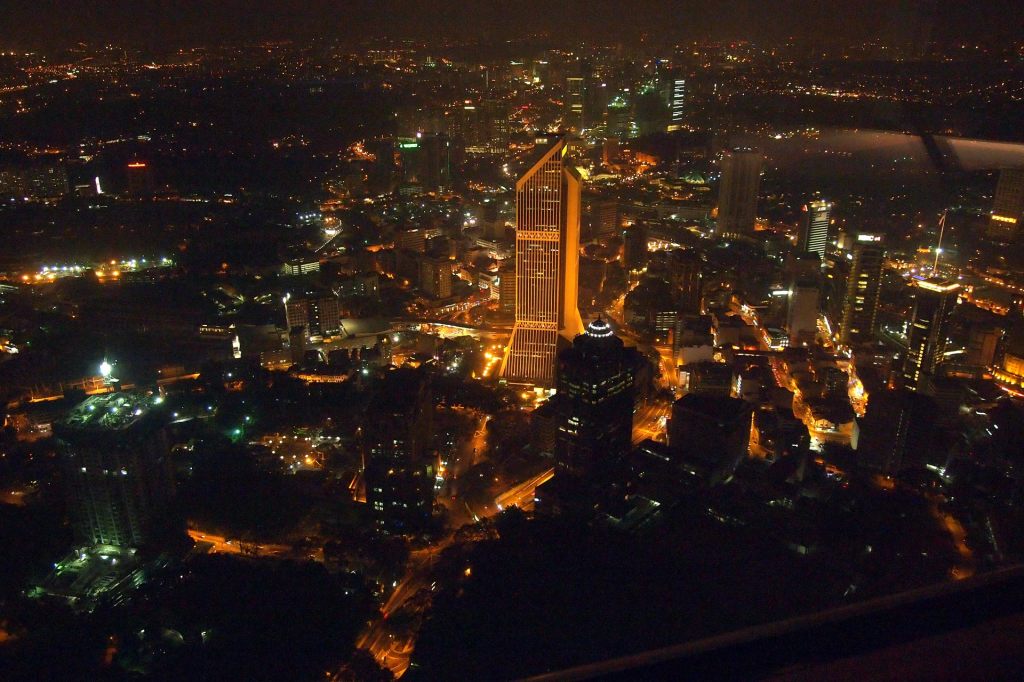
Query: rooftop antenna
<point>938,247</point>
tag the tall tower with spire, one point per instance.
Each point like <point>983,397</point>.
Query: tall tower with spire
<point>547,264</point>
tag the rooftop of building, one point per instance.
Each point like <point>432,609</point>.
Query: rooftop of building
<point>633,512</point>
<point>599,328</point>
<point>364,326</point>
<point>306,292</point>
<point>85,575</point>
<point>399,392</point>
<point>836,411</point>
<point>116,411</point>
<point>732,321</point>
<point>546,142</point>
<point>718,407</point>
<point>939,285</point>
<point>708,368</point>
<point>597,339</point>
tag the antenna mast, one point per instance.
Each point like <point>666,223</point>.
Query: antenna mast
<point>938,247</point>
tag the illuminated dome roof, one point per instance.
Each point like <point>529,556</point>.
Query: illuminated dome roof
<point>597,342</point>
<point>599,328</point>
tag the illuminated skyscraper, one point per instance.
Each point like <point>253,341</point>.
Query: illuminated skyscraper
<point>863,288</point>
<point>677,97</point>
<point>737,191</point>
<point>814,227</point>
<point>547,264</point>
<point>574,103</point>
<point>1007,206</point>
<point>934,301</point>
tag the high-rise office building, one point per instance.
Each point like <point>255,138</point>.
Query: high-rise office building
<point>482,127</point>
<point>492,224</point>
<point>835,279</point>
<point>574,119</point>
<point>383,167</point>
<point>468,126</point>
<point>863,289</point>
<point>634,247</point>
<point>317,312</point>
<point>547,264</point>
<point>436,276</point>
<point>296,344</point>
<point>603,217</point>
<point>507,289</point>
<point>802,312</point>
<point>934,301</point>
<point>814,227</point>
<point>427,161</point>
<point>804,265</point>
<point>982,343</point>
<point>1009,372</point>
<point>650,113</point>
<point>594,401</point>
<point>494,114</point>
<point>738,189</point>
<point>117,470</point>
<point>899,430</point>
<point>619,117</point>
<point>140,179</point>
<point>686,272</point>
<point>400,470</point>
<point>666,320</point>
<point>711,430</point>
<point>677,103</point>
<point>707,378</point>
<point>1007,206</point>
<point>415,239</point>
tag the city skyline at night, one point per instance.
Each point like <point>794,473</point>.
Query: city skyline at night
<point>364,340</point>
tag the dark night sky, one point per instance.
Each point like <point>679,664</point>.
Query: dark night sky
<point>163,23</point>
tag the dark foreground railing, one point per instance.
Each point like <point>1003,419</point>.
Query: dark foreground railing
<point>843,633</point>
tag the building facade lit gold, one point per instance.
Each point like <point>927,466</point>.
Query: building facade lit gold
<point>1007,206</point>
<point>547,265</point>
